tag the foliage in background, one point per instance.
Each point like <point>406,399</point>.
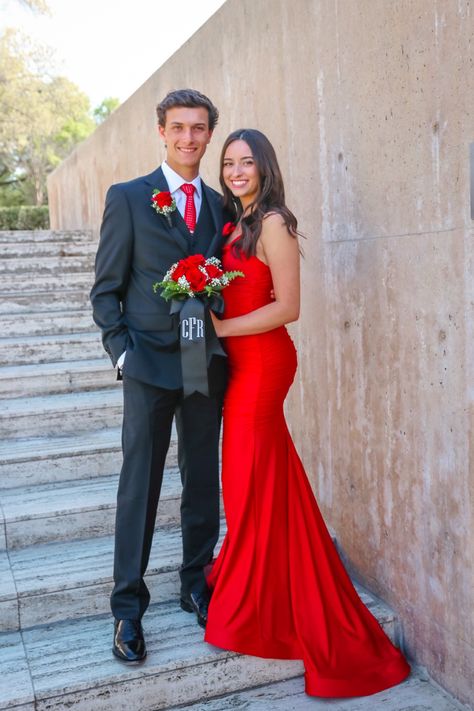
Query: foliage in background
<point>103,111</point>
<point>24,218</point>
<point>44,116</point>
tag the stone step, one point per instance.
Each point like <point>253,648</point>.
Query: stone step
<point>73,510</point>
<point>22,350</point>
<point>42,460</point>
<point>59,300</point>
<point>18,694</point>
<point>36,236</point>
<point>76,578</point>
<point>46,282</point>
<point>60,414</point>
<point>71,665</point>
<point>47,323</point>
<point>22,267</point>
<point>415,694</point>
<point>61,377</point>
<point>86,455</point>
<point>45,249</point>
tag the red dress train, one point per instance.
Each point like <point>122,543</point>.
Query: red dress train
<point>280,590</point>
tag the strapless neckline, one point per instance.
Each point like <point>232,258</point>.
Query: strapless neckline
<point>228,245</point>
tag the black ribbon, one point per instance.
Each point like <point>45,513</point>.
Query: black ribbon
<point>198,340</point>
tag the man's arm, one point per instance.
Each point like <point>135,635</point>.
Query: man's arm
<point>112,272</point>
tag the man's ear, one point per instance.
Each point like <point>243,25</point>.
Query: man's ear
<point>161,131</point>
<point>210,136</point>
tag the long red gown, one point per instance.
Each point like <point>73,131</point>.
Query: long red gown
<point>279,588</point>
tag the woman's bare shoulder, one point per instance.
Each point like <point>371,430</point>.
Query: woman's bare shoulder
<point>274,227</point>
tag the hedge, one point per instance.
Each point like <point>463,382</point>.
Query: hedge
<point>24,218</point>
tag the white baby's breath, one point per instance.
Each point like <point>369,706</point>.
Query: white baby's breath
<point>214,261</point>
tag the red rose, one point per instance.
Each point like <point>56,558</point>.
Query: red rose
<point>197,280</point>
<point>228,228</point>
<point>213,271</point>
<point>163,199</point>
<point>194,260</point>
<point>188,264</point>
<point>179,271</point>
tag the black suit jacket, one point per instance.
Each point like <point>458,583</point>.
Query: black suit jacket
<point>136,248</point>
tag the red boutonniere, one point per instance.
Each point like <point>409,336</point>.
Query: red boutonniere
<point>228,228</point>
<point>163,203</point>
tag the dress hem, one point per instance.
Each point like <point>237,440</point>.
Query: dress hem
<point>389,676</point>
<point>383,677</point>
<point>253,650</point>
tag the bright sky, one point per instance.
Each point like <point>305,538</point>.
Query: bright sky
<point>110,47</point>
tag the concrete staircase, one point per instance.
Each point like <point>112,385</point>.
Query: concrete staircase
<point>60,413</point>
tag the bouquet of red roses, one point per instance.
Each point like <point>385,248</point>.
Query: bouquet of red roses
<point>194,284</point>
<point>195,276</point>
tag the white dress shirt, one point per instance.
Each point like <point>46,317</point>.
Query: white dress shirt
<point>175,181</point>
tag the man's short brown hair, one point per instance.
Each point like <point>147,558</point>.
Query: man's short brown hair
<point>189,98</point>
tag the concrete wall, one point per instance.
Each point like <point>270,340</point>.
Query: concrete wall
<point>370,106</point>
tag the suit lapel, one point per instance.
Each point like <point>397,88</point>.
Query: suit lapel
<point>157,180</point>
<point>216,212</point>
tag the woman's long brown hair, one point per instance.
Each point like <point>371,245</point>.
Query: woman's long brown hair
<point>270,198</point>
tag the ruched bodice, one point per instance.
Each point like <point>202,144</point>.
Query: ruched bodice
<point>253,358</point>
<point>246,293</point>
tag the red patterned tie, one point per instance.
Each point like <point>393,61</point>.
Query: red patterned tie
<point>190,209</point>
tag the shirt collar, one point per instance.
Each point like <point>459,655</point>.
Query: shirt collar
<point>175,181</point>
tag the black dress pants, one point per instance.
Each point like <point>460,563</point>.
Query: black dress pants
<point>147,420</point>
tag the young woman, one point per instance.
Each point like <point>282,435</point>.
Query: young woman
<point>279,587</point>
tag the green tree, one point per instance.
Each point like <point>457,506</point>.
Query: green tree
<point>105,108</point>
<point>43,116</point>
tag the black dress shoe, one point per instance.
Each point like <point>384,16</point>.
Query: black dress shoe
<point>197,602</point>
<point>129,644</point>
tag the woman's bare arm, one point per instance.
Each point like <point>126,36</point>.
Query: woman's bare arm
<point>279,250</point>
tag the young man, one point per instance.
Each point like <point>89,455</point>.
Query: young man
<point>137,246</point>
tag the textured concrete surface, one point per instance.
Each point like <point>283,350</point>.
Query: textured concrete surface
<point>34,237</point>
<point>39,460</point>
<point>9,619</point>
<point>369,105</point>
<point>57,494</point>
<point>180,670</point>
<point>73,510</point>
<point>20,302</point>
<point>180,667</point>
<point>42,282</point>
<point>24,350</point>
<point>73,579</point>
<point>413,695</point>
<point>3,540</point>
<point>53,378</point>
<point>17,694</point>
<point>47,267</point>
<point>19,249</point>
<point>62,413</point>
<point>41,323</point>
